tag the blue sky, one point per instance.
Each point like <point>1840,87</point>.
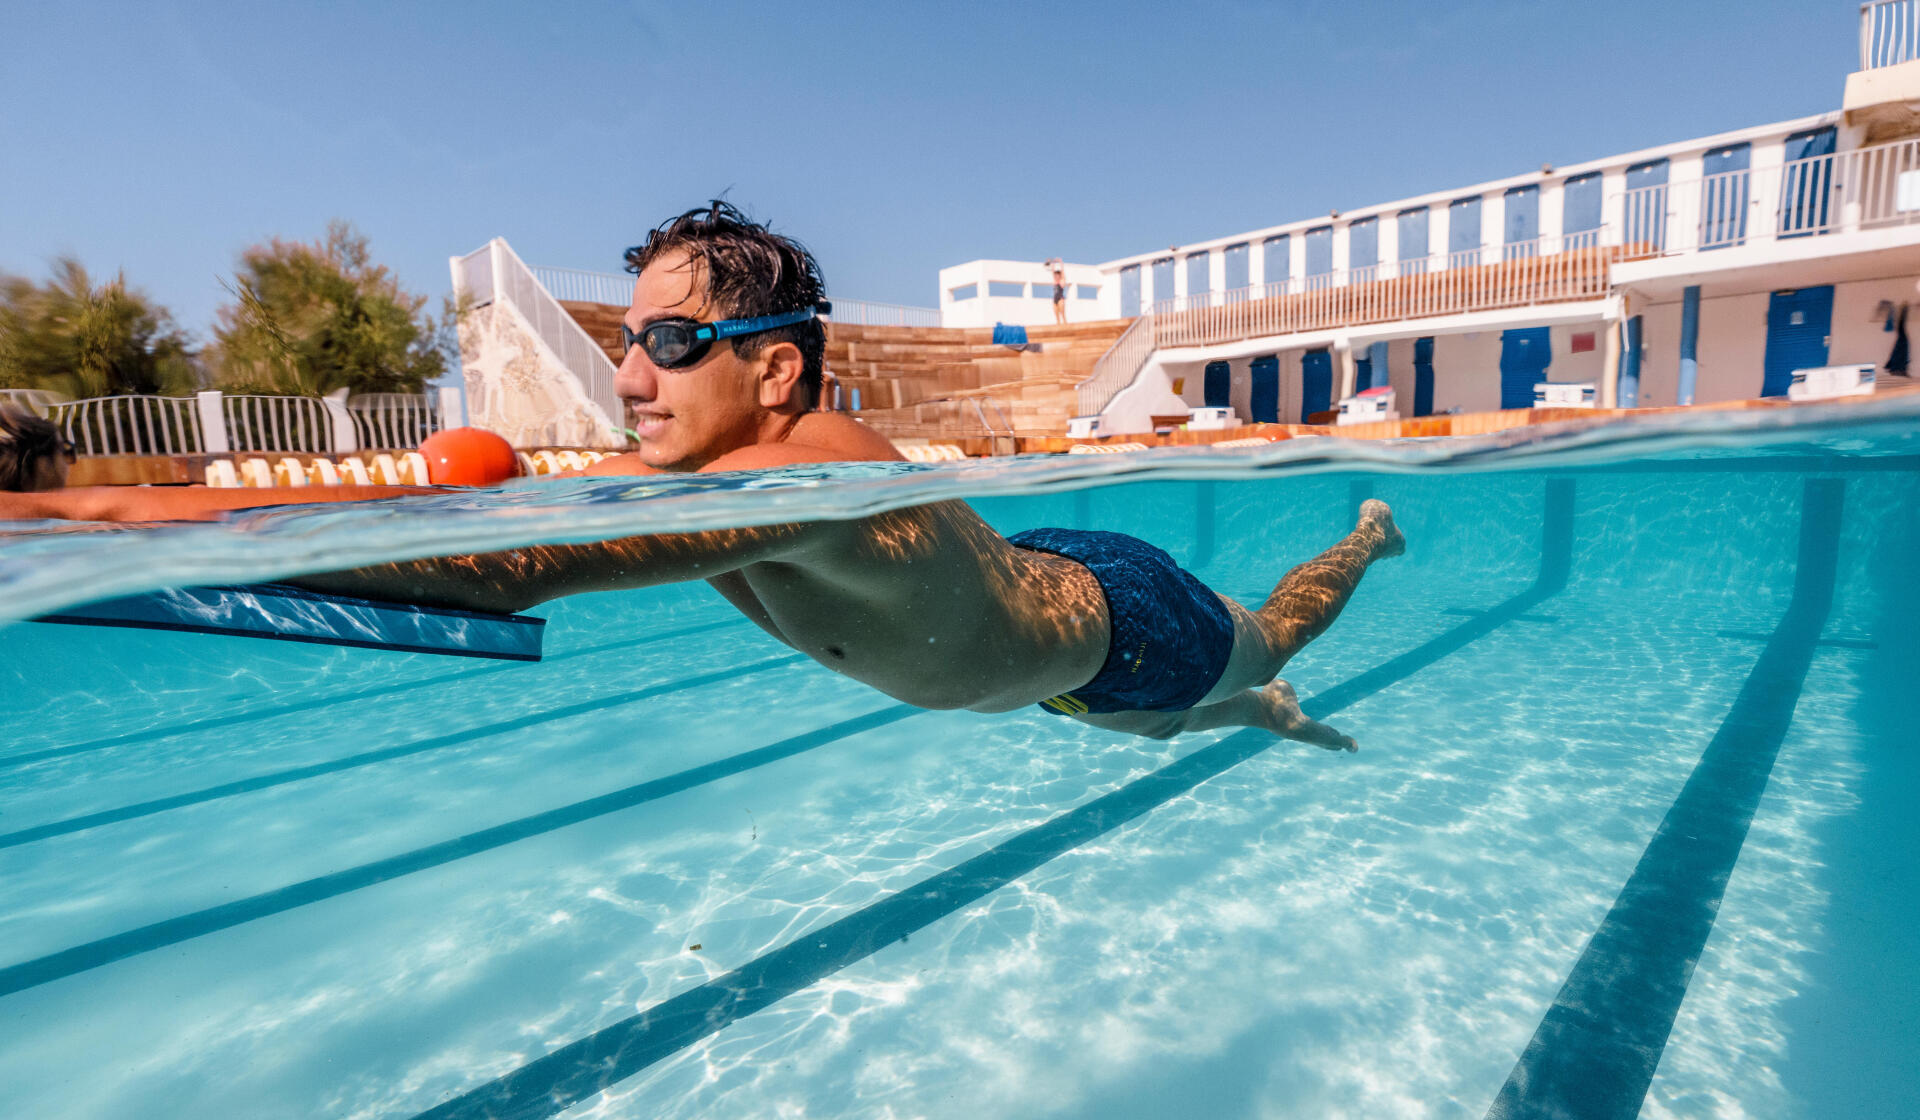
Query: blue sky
<point>893,138</point>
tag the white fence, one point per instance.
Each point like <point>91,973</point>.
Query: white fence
<point>37,401</point>
<point>214,423</point>
<point>494,272</point>
<point>867,313</point>
<point>1889,33</point>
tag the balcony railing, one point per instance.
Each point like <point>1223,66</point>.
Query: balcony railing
<point>1540,270</point>
<point>215,423</point>
<point>1889,33</point>
<point>616,289</point>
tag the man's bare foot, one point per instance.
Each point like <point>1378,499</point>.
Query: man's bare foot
<point>1286,720</point>
<point>1392,543</point>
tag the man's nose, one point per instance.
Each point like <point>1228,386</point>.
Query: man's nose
<point>634,380</point>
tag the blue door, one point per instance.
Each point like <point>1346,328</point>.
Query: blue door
<point>1580,217</point>
<point>1521,232</point>
<point>1219,385</point>
<point>1363,247</point>
<point>1463,229</point>
<point>1413,241</point>
<point>1163,279</point>
<point>1645,216</point>
<point>1316,382</point>
<point>1320,257</point>
<point>1806,184</point>
<point>1723,196</point>
<point>1236,261</point>
<point>1524,357</point>
<point>1798,326</point>
<point>1278,254</point>
<point>1423,377</point>
<point>1130,291</point>
<point>1263,400</point>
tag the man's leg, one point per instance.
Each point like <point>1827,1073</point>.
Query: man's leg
<point>1275,708</point>
<point>1305,602</point>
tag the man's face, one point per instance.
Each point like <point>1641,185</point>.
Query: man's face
<point>689,416</point>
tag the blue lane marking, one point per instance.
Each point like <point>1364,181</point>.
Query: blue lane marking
<point>580,1069</point>
<point>385,754</point>
<point>159,935</point>
<point>254,716</point>
<point>1596,1049</point>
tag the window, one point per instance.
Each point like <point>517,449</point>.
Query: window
<point>964,291</point>
<point>1463,228</point>
<point>1413,234</point>
<point>1087,291</point>
<point>1236,260</point>
<point>1363,245</point>
<point>1006,289</point>
<point>1041,290</point>
<point>1130,291</point>
<point>1162,277</point>
<point>1320,257</point>
<point>1580,211</point>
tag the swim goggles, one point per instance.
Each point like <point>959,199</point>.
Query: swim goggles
<point>674,343</point>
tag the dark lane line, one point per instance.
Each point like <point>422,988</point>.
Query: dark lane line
<point>254,716</point>
<point>1595,1051</point>
<point>172,931</point>
<point>547,1085</point>
<point>385,754</point>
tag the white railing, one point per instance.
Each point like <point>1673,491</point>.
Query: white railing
<point>583,286</point>
<point>131,425</point>
<point>1865,188</point>
<point>1889,33</point>
<point>867,313</point>
<point>497,273</point>
<point>1116,368</point>
<point>1520,273</point>
<point>40,402</point>
<point>262,423</point>
<point>392,421</point>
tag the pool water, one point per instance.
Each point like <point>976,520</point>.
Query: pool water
<point>1631,830</point>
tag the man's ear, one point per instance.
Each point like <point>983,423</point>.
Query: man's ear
<point>780,380</point>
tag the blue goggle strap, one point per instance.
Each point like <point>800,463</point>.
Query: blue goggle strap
<point>729,328</point>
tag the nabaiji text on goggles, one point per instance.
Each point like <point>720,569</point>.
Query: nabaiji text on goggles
<point>672,343</point>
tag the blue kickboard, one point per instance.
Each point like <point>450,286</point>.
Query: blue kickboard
<point>293,614</point>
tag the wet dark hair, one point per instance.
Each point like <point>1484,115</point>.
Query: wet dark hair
<point>751,271</point>
<point>25,441</point>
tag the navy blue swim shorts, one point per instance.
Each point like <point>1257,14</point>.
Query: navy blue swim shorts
<point>1171,634</point>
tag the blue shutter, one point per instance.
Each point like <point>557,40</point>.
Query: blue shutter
<point>1645,217</point>
<point>1798,326</point>
<point>1580,212</point>
<point>1723,196</point>
<point>1363,244</point>
<point>1130,291</point>
<point>1219,384</point>
<point>1163,279</point>
<point>1316,382</point>
<point>1423,377</point>
<point>1236,266</point>
<point>1413,241</point>
<point>1263,399</point>
<point>1199,284</point>
<point>1463,228</point>
<point>1524,357</point>
<point>1320,257</point>
<point>1279,258</point>
<point>1522,222</point>
<point>1806,184</point>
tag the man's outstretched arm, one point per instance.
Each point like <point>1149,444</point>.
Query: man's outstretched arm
<point>505,582</point>
<point>177,503</point>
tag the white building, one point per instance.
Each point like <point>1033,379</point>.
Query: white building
<point>1689,272</point>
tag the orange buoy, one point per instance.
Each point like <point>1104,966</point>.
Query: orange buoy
<point>468,457</point>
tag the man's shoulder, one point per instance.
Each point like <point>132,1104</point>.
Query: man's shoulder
<point>839,432</point>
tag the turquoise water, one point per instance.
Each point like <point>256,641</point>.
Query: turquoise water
<point>1631,830</point>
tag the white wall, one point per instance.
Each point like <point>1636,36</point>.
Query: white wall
<point>1732,347</point>
<point>984,310</point>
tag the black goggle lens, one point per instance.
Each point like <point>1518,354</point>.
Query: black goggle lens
<point>668,343</point>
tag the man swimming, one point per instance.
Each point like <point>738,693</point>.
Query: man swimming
<point>927,604</point>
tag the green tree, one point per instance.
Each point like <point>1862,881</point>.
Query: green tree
<point>85,340</point>
<point>308,319</point>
